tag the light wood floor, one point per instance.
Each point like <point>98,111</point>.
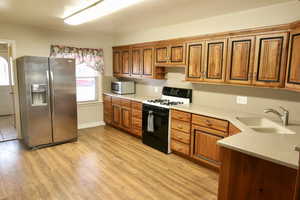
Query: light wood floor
<point>7,128</point>
<point>104,164</point>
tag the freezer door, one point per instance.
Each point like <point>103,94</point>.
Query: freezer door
<point>64,106</point>
<point>34,94</point>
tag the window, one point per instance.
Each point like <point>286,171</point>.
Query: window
<point>86,83</point>
<point>4,72</point>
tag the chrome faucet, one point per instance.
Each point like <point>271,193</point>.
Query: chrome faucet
<point>284,117</point>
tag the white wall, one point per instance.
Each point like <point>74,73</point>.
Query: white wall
<point>33,41</point>
<point>264,16</point>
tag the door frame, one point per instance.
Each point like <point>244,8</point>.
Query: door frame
<point>12,63</point>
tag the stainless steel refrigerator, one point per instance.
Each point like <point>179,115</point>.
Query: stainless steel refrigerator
<point>47,93</point>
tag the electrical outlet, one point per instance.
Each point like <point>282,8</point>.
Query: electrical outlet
<point>241,100</point>
<point>156,89</point>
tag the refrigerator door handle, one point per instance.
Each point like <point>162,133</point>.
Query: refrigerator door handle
<point>49,93</point>
<point>52,95</point>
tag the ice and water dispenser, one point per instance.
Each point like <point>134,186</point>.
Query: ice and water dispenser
<point>39,93</point>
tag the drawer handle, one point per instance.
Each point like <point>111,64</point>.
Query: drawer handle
<point>180,117</point>
<point>208,123</point>
<point>179,126</point>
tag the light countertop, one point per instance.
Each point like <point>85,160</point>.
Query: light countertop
<point>277,148</point>
<point>133,97</point>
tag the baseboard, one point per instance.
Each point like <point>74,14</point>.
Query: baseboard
<point>91,124</point>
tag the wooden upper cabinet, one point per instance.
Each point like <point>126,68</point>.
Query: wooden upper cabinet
<point>293,73</point>
<point>215,60</point>
<point>125,54</point>
<point>170,55</point>
<point>117,62</point>
<point>136,62</point>
<point>270,60</point>
<point>147,63</point>
<point>195,61</point>
<point>240,60</point>
<point>161,55</point>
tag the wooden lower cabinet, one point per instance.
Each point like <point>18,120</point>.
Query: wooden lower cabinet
<point>205,146</point>
<point>107,107</point>
<point>126,118</point>
<point>249,178</point>
<point>116,115</point>
<point>137,122</point>
<point>124,114</point>
<point>196,136</point>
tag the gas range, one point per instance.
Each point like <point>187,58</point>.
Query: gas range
<point>156,130</point>
<point>171,97</point>
<point>165,102</point>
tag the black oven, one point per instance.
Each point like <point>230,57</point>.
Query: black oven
<point>158,136</point>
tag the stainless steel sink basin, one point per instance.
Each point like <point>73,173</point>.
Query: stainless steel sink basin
<point>263,125</point>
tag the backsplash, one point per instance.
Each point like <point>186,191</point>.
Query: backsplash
<point>223,96</point>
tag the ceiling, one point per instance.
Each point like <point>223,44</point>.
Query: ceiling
<point>147,14</point>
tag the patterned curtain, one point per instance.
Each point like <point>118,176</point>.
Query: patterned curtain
<point>93,58</point>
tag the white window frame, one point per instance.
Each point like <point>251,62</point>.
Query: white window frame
<point>96,88</point>
<point>9,75</point>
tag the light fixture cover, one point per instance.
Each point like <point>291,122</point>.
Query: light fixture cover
<point>105,7</point>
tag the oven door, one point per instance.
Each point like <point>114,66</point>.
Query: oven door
<point>159,137</point>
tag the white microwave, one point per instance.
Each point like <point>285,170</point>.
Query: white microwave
<point>123,87</point>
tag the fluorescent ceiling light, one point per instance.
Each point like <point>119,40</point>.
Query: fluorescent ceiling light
<point>97,10</point>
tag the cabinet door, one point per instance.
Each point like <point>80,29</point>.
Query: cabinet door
<point>125,63</point>
<point>240,60</point>
<point>107,105</point>
<point>195,58</point>
<point>293,74</point>
<point>161,55</point>
<point>177,54</point>
<point>215,60</point>
<point>116,115</point>
<point>270,60</point>
<point>147,65</point>
<point>136,62</point>
<point>126,118</point>
<point>116,62</point>
<point>205,146</point>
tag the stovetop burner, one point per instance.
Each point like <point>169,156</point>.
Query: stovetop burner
<point>165,102</point>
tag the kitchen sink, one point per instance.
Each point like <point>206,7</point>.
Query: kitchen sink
<point>263,125</point>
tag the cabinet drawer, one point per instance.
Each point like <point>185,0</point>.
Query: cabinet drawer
<point>106,98</point>
<point>180,147</point>
<point>209,130</point>
<point>126,103</point>
<point>136,122</point>
<point>136,105</point>
<point>181,125</point>
<point>137,131</point>
<point>137,113</point>
<point>116,100</point>
<point>181,136</point>
<point>209,122</point>
<point>184,116</point>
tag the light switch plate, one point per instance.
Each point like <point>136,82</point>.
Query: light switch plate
<point>241,100</point>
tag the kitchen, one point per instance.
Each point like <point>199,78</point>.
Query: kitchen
<point>209,85</point>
